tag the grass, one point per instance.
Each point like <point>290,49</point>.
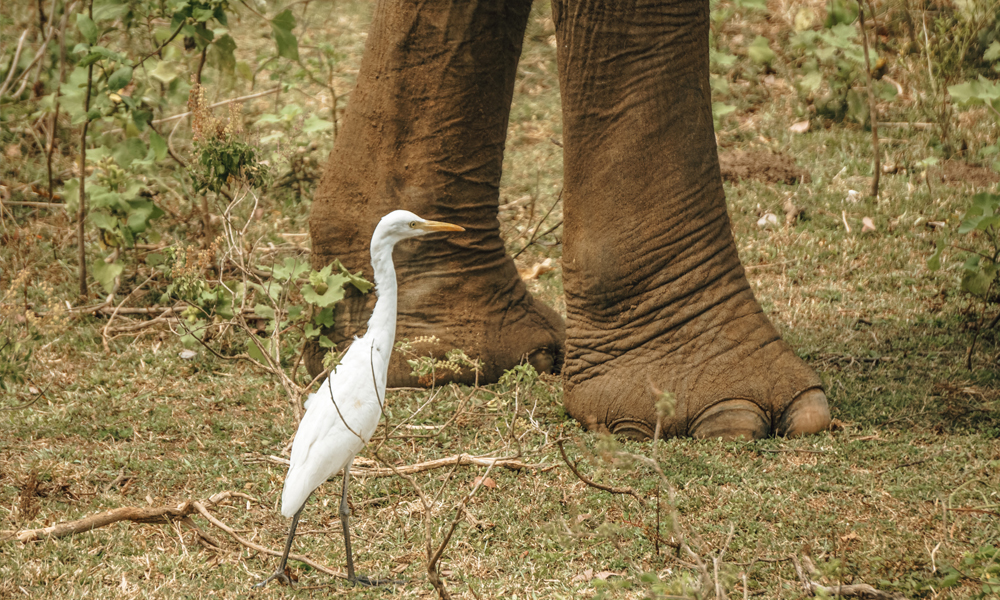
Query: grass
<point>897,494</point>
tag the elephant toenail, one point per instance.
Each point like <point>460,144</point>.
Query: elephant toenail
<point>808,413</point>
<point>632,429</point>
<point>732,420</point>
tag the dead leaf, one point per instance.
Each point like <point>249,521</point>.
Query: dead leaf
<point>582,518</point>
<point>850,537</point>
<point>532,272</point>
<point>603,575</point>
<point>587,575</point>
<point>792,212</point>
<point>853,196</point>
<point>768,221</point>
<point>487,482</point>
<point>800,127</point>
<point>868,225</point>
<point>837,425</point>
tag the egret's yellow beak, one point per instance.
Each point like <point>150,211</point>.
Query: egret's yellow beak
<point>438,226</point>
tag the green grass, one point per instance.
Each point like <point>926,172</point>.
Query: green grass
<point>904,487</point>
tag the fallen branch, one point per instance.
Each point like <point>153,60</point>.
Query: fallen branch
<point>160,515</point>
<point>454,460</point>
<point>52,205</point>
<point>858,590</point>
<point>594,484</point>
<point>244,542</point>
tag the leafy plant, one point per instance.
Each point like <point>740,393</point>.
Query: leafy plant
<point>430,370</point>
<point>981,225</point>
<point>832,66</point>
<point>981,565</point>
<point>983,92</point>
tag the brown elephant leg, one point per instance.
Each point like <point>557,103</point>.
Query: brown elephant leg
<point>424,131</point>
<point>656,296</point>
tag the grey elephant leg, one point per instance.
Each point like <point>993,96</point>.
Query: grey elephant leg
<point>656,296</point>
<point>425,130</point>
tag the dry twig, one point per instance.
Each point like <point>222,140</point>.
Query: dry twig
<point>594,484</point>
<point>455,460</point>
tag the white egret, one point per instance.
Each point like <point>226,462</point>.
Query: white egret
<point>343,414</point>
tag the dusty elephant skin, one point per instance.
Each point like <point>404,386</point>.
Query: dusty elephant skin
<point>425,131</point>
<point>656,296</point>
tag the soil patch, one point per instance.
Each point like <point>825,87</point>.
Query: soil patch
<point>761,165</point>
<point>953,172</point>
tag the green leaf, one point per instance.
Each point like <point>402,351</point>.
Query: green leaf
<point>103,221</point>
<point>202,14</point>
<point>105,274</point>
<point>885,90</point>
<point>315,124</point>
<point>811,82</point>
<point>290,269</point>
<point>324,318</point>
<point>992,52</point>
<point>357,280</point>
<point>255,352</point>
<point>841,12</point>
<point>158,144</point>
<point>263,310</point>
<point>90,59</point>
<point>129,150</point>
<point>334,292</point>
<point>87,27</point>
<point>326,342</point>
<point>120,78</point>
<point>167,70</point>
<point>721,109</point>
<point>857,106</point>
<point>934,262</point>
<point>978,281</point>
<point>108,10</point>
<point>141,212</point>
<point>760,51</point>
<point>288,44</point>
<point>223,54</point>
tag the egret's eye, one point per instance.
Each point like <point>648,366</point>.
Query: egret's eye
<point>413,224</point>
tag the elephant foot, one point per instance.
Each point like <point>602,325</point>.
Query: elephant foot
<point>735,381</point>
<point>741,419</point>
<point>451,311</point>
<point>499,336</point>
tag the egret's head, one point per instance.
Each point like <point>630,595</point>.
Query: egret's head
<point>402,224</point>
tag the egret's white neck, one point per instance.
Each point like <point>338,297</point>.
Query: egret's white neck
<point>382,324</point>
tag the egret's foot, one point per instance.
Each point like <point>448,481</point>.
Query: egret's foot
<point>369,582</point>
<point>281,576</point>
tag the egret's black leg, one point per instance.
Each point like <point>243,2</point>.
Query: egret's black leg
<point>280,573</point>
<point>345,512</point>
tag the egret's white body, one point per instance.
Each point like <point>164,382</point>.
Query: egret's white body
<point>343,414</point>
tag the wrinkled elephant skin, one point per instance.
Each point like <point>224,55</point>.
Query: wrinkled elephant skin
<point>656,296</point>
<point>657,300</point>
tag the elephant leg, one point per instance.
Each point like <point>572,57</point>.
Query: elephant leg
<point>424,131</point>
<point>657,299</point>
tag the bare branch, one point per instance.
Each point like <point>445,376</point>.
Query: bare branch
<point>607,488</point>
